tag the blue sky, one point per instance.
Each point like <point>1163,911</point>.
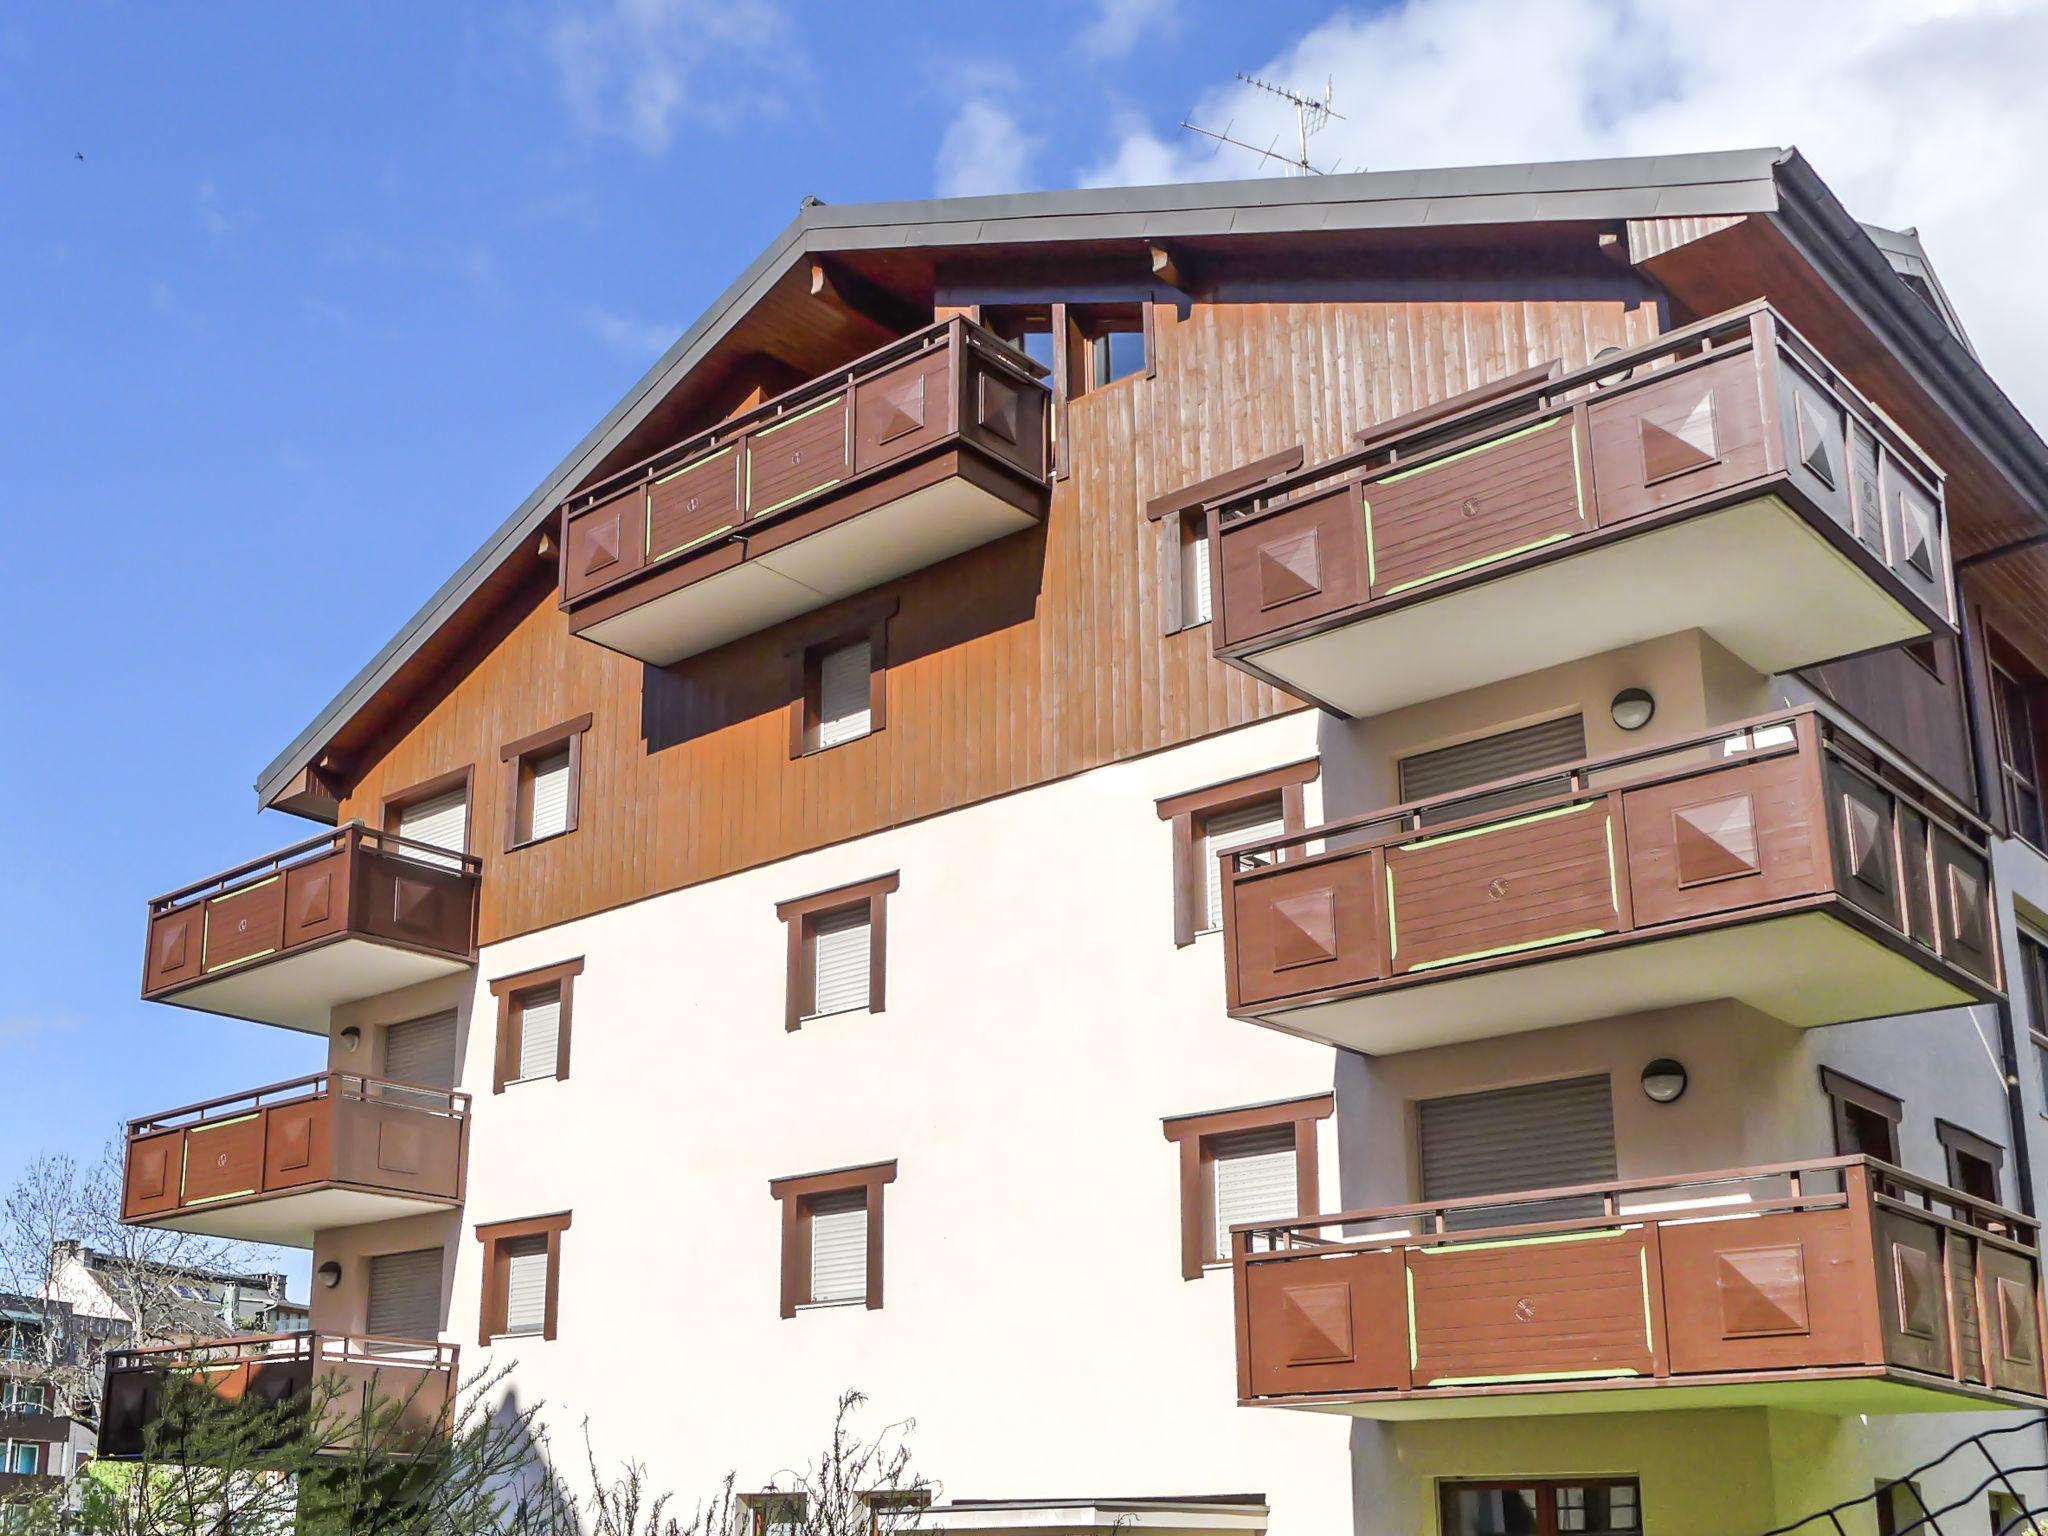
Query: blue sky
<point>333,287</point>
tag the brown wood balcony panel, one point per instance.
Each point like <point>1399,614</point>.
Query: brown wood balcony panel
<point>281,1163</point>
<point>1787,861</point>
<point>286,938</point>
<point>1841,1285</point>
<point>1722,477</point>
<point>414,1379</point>
<point>931,445</point>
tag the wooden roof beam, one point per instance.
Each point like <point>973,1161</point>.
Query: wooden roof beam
<point>848,291</point>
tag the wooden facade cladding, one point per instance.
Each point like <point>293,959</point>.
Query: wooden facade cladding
<point>286,938</point>
<point>1722,477</point>
<point>1885,1292</point>
<point>1786,861</point>
<point>413,1380</point>
<point>922,449</point>
<point>332,1149</point>
<point>1017,664</point>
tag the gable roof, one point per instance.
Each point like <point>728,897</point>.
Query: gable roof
<point>1735,182</point>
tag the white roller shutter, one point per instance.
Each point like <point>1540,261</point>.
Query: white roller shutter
<point>1539,1136</point>
<point>526,1283</point>
<point>421,1052</point>
<point>841,945</point>
<point>843,694</point>
<point>1525,750</point>
<point>839,1247</point>
<point>540,1032</point>
<point>405,1295</point>
<point>1234,828</point>
<point>550,794</point>
<point>1255,1180</point>
<point>1194,572</point>
<point>441,820</point>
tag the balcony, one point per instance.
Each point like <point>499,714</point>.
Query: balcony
<point>921,450</point>
<point>1842,1286</point>
<point>1722,478</point>
<point>1788,862</point>
<point>283,1162</point>
<point>288,938</point>
<point>408,1386</point>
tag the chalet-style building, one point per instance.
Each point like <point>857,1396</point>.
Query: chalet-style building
<point>1054,744</point>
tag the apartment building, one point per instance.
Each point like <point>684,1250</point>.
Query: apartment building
<point>1055,744</point>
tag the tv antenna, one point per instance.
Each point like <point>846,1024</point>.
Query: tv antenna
<point>1311,114</point>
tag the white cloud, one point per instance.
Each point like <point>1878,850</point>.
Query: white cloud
<point>1120,25</point>
<point>1914,113</point>
<point>221,222</point>
<point>20,1028</point>
<point>636,338</point>
<point>984,149</point>
<point>631,68</point>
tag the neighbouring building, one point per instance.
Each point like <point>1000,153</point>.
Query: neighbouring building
<point>1053,744</point>
<point>42,1439</point>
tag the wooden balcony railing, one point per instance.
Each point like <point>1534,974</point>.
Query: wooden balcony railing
<point>201,1167</point>
<point>1843,546</point>
<point>381,911</point>
<point>949,415</point>
<point>400,1390</point>
<point>1856,1282</point>
<point>1789,861</point>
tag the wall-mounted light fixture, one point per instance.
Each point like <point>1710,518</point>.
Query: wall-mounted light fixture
<point>1664,1080</point>
<point>351,1038</point>
<point>329,1273</point>
<point>1632,708</point>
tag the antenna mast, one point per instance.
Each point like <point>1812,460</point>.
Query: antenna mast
<point>1310,117</point>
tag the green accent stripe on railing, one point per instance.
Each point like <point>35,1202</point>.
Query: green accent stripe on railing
<point>1499,1244</point>
<point>684,469</point>
<point>786,501</point>
<point>1414,1340</point>
<point>702,538</point>
<point>1473,565</point>
<point>1372,559</point>
<point>229,965</point>
<point>1393,934</point>
<point>1508,949</point>
<point>1613,872</point>
<point>1500,1381</point>
<point>1477,448</point>
<point>790,421</point>
<point>233,1194</point>
<point>1500,826</point>
<point>1649,1333</point>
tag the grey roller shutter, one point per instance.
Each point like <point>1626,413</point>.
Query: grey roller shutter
<point>1527,749</point>
<point>421,1052</point>
<point>526,1283</point>
<point>405,1295</point>
<point>1539,1136</point>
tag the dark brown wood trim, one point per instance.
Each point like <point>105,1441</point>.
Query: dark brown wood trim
<point>514,755</point>
<point>1454,405</point>
<point>795,1191</point>
<point>1184,810</point>
<point>807,649</point>
<point>1229,482</point>
<point>1145,307</point>
<point>552,736</point>
<point>509,990</point>
<point>799,912</point>
<point>1839,1085</point>
<point>1229,792</point>
<point>1062,388</point>
<point>1957,1142</point>
<point>390,805</point>
<point>1196,1136</point>
<point>494,1235</point>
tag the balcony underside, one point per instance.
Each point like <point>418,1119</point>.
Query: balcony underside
<point>301,988</point>
<point>878,532</point>
<point>1850,1391</point>
<point>1807,968</point>
<point>289,1220</point>
<point>1756,576</point>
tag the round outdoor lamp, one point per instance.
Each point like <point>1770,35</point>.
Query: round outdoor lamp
<point>1664,1080</point>
<point>1632,708</point>
<point>330,1274</point>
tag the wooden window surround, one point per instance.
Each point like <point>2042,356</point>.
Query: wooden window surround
<point>2019,724</point>
<point>801,914</point>
<point>1092,326</point>
<point>497,1269</point>
<point>1866,1119</point>
<point>1974,1164</point>
<point>807,649</point>
<point>511,991</point>
<point>1197,1136</point>
<point>888,1509</point>
<point>1187,812</point>
<point>796,1194</point>
<point>463,778</point>
<point>519,758</point>
<point>2033,968</point>
<point>771,1510</point>
<point>1181,516</point>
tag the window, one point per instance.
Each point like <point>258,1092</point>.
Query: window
<point>1257,1163</point>
<point>1194,568</point>
<point>891,1509</point>
<point>25,1457</point>
<point>1866,1118</point>
<point>420,1053</point>
<point>2016,721</point>
<point>1974,1163</point>
<point>1027,327</point>
<point>1530,1137</point>
<point>23,1396</point>
<point>1488,759</point>
<point>2034,977</point>
<point>1207,822</point>
<point>1579,1507</point>
<point>774,1513</point>
<point>543,783</point>
<point>522,1276</point>
<point>838,945</point>
<point>832,1236</point>
<point>1115,342</point>
<point>405,1295</point>
<point>840,692</point>
<point>1900,1508</point>
<point>533,1024</point>
<point>1185,577</point>
<point>435,813</point>
<point>2008,1515</point>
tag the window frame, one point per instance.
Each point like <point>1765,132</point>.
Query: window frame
<point>2033,966</point>
<point>2007,664</point>
<point>391,805</point>
<point>1196,1136</point>
<point>800,914</point>
<point>510,991</point>
<point>806,654</point>
<point>1546,1509</point>
<point>1090,324</point>
<point>794,1193</point>
<point>518,757</point>
<point>760,1504</point>
<point>1187,810</point>
<point>914,1500</point>
<point>1843,1091</point>
<point>1957,1143</point>
<point>1174,510</point>
<point>496,1274</point>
